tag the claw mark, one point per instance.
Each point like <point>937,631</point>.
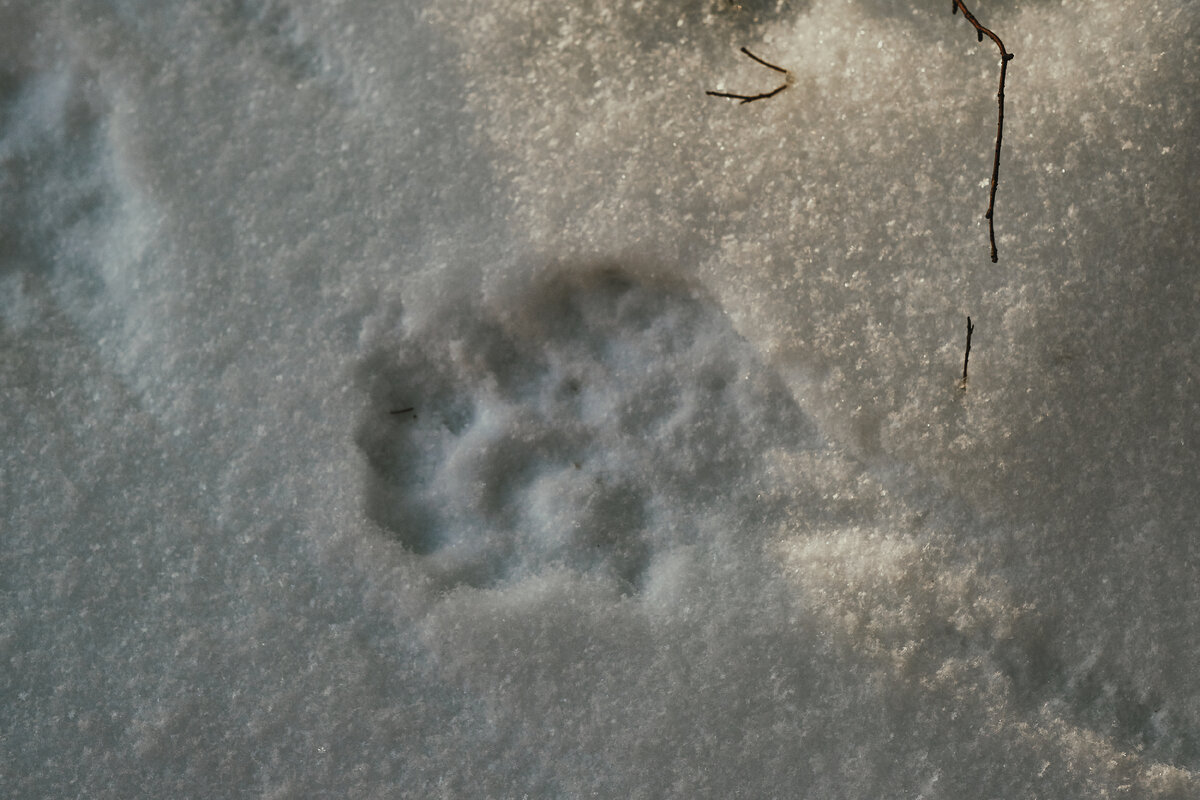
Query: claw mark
<point>750,98</point>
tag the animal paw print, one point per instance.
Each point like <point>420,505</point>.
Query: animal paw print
<point>588,429</point>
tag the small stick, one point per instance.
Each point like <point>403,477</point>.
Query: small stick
<point>402,411</point>
<point>967,357</point>
<point>766,64</point>
<point>750,98</point>
<point>1005,57</point>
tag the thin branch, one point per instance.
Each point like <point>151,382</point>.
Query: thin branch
<point>1005,57</point>
<point>981,31</point>
<point>750,98</point>
<point>766,64</point>
<point>967,357</point>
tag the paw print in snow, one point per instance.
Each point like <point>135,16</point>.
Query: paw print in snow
<point>590,428</point>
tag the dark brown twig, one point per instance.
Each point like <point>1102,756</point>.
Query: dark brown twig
<point>766,64</point>
<point>967,357</point>
<point>1005,57</point>
<point>750,98</point>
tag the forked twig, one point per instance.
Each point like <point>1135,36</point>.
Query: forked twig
<point>1005,57</point>
<point>750,98</point>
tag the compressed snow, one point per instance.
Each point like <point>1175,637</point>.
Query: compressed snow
<point>455,401</point>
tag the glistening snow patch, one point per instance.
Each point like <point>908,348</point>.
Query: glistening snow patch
<point>590,427</point>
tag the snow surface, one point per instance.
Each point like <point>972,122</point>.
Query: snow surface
<point>451,400</point>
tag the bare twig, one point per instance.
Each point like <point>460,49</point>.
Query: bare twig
<point>967,357</point>
<point>750,98</point>
<point>1005,57</point>
<point>766,64</point>
<point>981,31</point>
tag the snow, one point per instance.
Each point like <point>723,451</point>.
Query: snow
<point>452,400</point>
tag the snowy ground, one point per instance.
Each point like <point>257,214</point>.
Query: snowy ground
<point>455,401</point>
